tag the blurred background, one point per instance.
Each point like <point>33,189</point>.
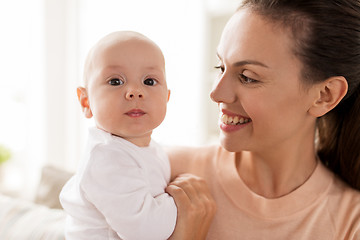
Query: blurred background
<point>43,45</point>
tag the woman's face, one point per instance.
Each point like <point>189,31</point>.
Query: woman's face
<point>263,104</point>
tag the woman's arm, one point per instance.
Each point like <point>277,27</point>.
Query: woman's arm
<point>187,159</point>
<point>195,207</point>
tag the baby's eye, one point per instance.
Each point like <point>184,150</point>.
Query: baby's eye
<point>116,82</point>
<point>150,82</point>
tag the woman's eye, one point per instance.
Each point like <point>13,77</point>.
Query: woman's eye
<point>221,68</point>
<point>246,80</point>
<point>115,82</point>
<point>150,82</point>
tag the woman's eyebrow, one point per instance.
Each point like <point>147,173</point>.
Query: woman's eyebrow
<point>250,62</point>
<point>246,62</point>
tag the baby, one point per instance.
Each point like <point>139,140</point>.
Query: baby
<point>118,190</point>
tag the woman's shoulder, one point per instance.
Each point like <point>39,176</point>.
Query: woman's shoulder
<point>344,204</point>
<point>186,159</point>
<point>346,194</point>
<point>180,152</point>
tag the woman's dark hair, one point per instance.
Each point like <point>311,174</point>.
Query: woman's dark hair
<point>326,37</point>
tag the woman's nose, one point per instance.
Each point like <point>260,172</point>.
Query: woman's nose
<point>223,91</point>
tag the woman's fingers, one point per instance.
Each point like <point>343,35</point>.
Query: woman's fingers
<point>196,207</point>
<point>181,198</point>
<point>190,185</point>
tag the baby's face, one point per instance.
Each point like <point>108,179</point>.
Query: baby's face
<point>127,88</point>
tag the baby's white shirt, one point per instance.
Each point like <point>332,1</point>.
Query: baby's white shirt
<point>118,192</point>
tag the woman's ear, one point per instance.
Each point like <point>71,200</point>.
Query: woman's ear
<point>329,94</point>
<point>84,101</point>
<point>169,92</point>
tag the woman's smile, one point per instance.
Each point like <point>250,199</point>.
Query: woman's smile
<point>231,127</point>
<point>236,120</point>
<point>230,122</point>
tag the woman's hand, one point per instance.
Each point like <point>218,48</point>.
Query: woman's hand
<point>195,206</point>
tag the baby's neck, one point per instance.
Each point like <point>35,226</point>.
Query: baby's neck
<point>140,141</point>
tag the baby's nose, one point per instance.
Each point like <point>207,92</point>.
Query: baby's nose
<point>132,94</point>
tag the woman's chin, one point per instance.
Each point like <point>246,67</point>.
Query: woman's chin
<point>230,145</point>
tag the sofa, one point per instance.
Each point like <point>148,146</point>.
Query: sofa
<point>41,219</point>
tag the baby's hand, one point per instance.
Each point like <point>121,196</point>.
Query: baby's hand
<point>195,206</point>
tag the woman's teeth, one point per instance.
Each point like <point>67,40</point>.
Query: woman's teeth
<point>235,120</point>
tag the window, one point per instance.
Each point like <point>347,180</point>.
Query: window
<point>22,91</point>
<point>44,44</point>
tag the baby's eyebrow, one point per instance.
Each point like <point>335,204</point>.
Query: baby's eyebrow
<point>113,67</point>
<point>246,62</point>
<point>154,68</point>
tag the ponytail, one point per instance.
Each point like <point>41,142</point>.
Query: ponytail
<point>339,140</point>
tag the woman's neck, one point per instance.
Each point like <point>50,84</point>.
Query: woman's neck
<point>276,173</point>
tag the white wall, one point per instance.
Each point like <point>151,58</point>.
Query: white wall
<point>22,109</point>
<point>43,47</point>
<point>177,27</point>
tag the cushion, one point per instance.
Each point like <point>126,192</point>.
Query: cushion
<point>20,219</point>
<point>51,182</point>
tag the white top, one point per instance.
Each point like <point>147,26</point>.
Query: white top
<point>118,192</point>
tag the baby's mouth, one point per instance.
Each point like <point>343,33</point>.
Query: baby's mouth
<point>135,113</point>
<point>234,120</point>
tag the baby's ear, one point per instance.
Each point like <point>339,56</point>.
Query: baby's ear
<point>84,101</point>
<point>329,94</point>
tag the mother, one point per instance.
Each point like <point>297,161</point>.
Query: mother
<point>288,91</point>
